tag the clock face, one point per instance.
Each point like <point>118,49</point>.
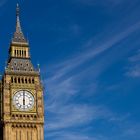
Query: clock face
<point>23,100</point>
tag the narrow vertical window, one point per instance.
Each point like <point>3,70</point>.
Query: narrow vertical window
<point>15,80</point>
<point>22,80</point>
<point>25,53</point>
<point>31,134</point>
<point>20,135</point>
<point>27,135</point>
<point>15,53</point>
<point>29,80</point>
<point>33,81</point>
<point>20,53</point>
<point>26,81</point>
<point>16,135</point>
<point>11,79</point>
<point>18,80</point>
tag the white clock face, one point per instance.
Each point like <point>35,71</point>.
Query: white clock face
<point>23,100</point>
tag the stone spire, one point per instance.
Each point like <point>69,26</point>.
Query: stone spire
<point>18,35</point>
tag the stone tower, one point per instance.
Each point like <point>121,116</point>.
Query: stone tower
<point>21,93</point>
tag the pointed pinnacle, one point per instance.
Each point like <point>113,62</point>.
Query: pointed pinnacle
<point>18,35</point>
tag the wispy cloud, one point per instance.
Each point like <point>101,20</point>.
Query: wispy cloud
<point>134,71</point>
<point>132,130</point>
<point>62,78</point>
<point>64,83</point>
<point>92,51</point>
<point>72,136</point>
<point>68,80</point>
<point>135,58</point>
<point>74,115</point>
<point>134,67</point>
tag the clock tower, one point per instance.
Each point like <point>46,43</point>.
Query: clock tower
<point>21,93</point>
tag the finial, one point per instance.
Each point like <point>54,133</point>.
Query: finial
<point>38,67</point>
<point>17,10</point>
<point>18,27</point>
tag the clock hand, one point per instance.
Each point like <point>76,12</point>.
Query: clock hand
<point>23,97</point>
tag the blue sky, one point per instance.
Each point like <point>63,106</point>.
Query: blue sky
<point>89,53</point>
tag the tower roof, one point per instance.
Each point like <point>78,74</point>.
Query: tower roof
<point>18,35</point>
